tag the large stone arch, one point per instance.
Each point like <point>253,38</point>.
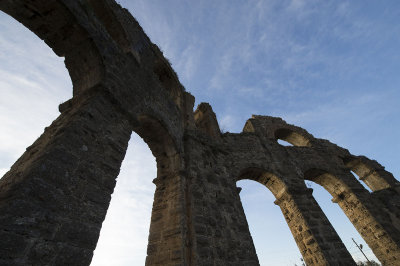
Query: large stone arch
<point>271,181</point>
<point>356,203</point>
<point>55,197</point>
<point>71,147</point>
<point>61,25</point>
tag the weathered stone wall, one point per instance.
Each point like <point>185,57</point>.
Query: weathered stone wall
<point>55,197</point>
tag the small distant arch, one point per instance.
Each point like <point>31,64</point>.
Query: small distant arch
<point>292,137</point>
<point>284,143</point>
<point>375,177</point>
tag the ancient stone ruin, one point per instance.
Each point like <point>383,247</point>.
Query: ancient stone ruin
<point>55,197</point>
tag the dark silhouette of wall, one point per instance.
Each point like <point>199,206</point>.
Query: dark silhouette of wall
<point>55,197</point>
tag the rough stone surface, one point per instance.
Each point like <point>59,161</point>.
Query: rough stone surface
<point>55,197</point>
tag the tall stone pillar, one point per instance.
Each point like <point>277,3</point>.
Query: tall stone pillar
<point>217,226</point>
<point>55,197</point>
<point>316,238</point>
<point>167,229</point>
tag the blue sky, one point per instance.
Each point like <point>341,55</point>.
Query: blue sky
<point>331,67</point>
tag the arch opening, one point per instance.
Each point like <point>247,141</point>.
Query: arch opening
<point>272,237</point>
<point>33,81</point>
<point>284,143</point>
<point>292,137</point>
<point>279,190</point>
<point>332,184</point>
<point>122,238</point>
<point>269,180</point>
<point>60,30</point>
<point>151,156</point>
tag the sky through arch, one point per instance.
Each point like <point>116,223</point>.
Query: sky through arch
<point>123,237</point>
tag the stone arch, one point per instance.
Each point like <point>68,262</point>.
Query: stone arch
<point>269,180</point>
<point>357,205</point>
<point>336,187</point>
<point>292,137</point>
<point>62,30</point>
<point>161,144</point>
<point>370,172</point>
<point>275,128</point>
<point>66,172</point>
<point>315,237</point>
<point>163,147</point>
<point>268,232</point>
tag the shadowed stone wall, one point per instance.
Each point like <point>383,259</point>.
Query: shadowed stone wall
<point>55,197</point>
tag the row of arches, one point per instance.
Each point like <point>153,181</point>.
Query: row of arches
<point>370,173</point>
<point>350,196</point>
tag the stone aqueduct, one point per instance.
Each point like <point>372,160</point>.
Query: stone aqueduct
<point>55,197</point>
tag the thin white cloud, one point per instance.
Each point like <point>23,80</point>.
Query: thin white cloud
<point>187,62</point>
